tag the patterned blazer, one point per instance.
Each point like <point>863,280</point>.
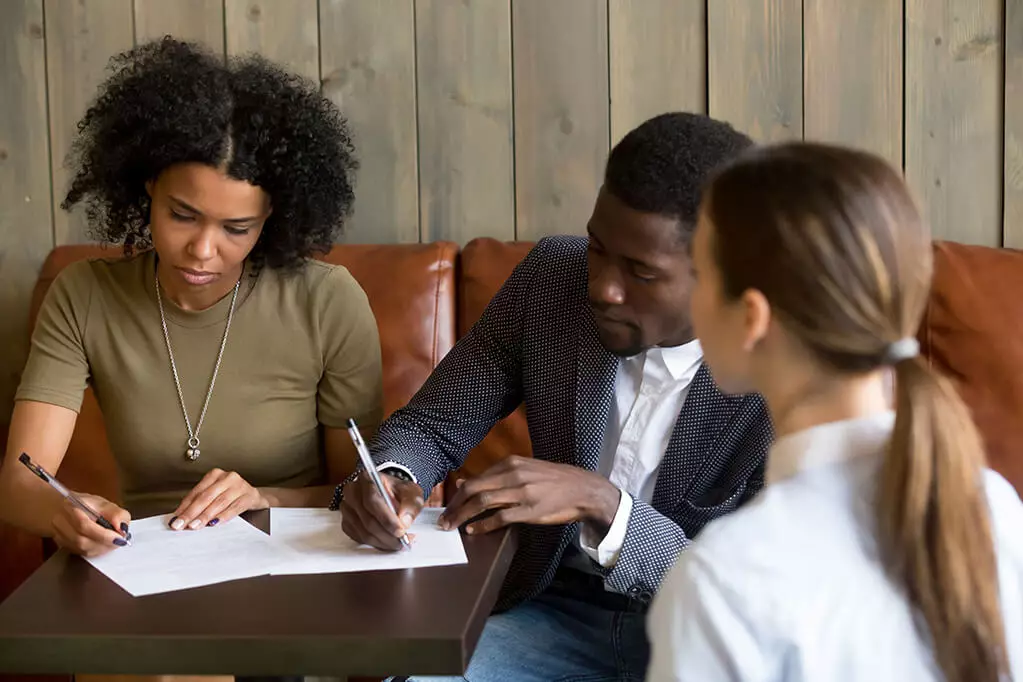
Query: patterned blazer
<point>536,343</point>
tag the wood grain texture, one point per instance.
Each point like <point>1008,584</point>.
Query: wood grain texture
<point>852,68</point>
<point>562,126</point>
<point>81,37</point>
<point>954,116</point>
<point>198,20</point>
<point>1013,214</point>
<point>26,229</point>
<point>367,53</point>
<point>463,53</point>
<point>754,66</point>
<point>658,60</point>
<point>285,32</point>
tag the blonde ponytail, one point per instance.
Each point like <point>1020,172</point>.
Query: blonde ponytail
<point>934,528</point>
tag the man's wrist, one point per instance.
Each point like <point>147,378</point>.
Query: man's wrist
<point>603,506</point>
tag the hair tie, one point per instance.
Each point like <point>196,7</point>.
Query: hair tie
<point>903,349</point>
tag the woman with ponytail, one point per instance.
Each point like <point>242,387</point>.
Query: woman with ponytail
<point>881,548</point>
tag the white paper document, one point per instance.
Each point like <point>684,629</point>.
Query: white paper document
<point>317,544</point>
<point>163,560</point>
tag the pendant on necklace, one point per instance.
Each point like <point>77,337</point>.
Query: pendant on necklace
<point>192,453</point>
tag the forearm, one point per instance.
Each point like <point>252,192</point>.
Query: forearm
<point>43,431</point>
<point>314,496</point>
<point>28,504</point>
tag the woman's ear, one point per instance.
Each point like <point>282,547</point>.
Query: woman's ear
<point>149,189</point>
<point>756,313</point>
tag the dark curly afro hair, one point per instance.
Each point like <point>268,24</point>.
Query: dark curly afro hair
<point>170,102</point>
<point>662,166</point>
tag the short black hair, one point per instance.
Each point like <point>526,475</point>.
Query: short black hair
<point>169,101</point>
<point>662,165</point>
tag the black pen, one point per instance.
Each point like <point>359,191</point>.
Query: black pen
<point>68,495</point>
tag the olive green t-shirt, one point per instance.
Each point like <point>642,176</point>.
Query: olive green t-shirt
<point>302,350</point>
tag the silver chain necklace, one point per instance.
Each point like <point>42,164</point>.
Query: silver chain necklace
<point>192,451</point>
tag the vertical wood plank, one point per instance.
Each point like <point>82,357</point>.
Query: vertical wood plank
<point>658,60</point>
<point>852,66</point>
<point>562,118</point>
<point>26,230</point>
<point>285,32</point>
<point>81,37</point>
<point>197,20</point>
<point>463,53</point>
<point>367,53</point>
<point>954,116</point>
<point>755,66</point>
<point>1013,214</point>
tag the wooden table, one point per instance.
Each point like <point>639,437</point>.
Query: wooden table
<point>70,618</point>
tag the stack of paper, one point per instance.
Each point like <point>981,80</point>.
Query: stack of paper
<point>301,541</point>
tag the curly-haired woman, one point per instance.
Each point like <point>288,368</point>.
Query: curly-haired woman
<point>225,360</point>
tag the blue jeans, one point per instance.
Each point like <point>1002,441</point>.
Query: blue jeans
<point>558,637</point>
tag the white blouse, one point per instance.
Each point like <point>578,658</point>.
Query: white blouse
<point>790,587</point>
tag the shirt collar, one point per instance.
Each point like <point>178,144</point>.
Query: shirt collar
<point>681,361</point>
<point>829,443</point>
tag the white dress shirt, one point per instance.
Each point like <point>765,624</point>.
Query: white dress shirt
<point>650,389</point>
<point>790,586</point>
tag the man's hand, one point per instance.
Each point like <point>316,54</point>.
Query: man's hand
<point>526,490</point>
<point>365,517</point>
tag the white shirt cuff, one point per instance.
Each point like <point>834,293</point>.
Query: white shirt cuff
<point>400,467</point>
<point>606,553</point>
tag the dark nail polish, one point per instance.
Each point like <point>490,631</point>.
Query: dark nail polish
<point>171,522</point>
<point>124,527</point>
<point>120,543</point>
<point>213,522</point>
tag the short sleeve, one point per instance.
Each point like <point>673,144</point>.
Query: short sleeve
<point>352,381</point>
<point>57,370</point>
<point>700,630</point>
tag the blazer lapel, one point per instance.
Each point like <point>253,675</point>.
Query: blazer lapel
<point>704,414</point>
<point>594,390</point>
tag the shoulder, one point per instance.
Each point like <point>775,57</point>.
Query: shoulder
<point>314,283</point>
<point>559,250</point>
<point>327,295</point>
<point>555,265</point>
<point>81,279</point>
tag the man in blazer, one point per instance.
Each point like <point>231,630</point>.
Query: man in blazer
<point>634,448</point>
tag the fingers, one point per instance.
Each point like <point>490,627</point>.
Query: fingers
<point>505,517</point>
<point>211,477</point>
<point>477,495</point>
<point>79,534</point>
<point>220,496</point>
<point>119,518</point>
<point>410,501</point>
<point>490,496</point>
<point>361,525</point>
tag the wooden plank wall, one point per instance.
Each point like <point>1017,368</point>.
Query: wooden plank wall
<point>494,117</point>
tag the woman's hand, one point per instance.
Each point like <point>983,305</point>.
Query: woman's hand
<point>218,497</point>
<point>77,533</point>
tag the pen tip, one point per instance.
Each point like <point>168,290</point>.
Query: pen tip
<point>351,423</point>
<point>24,458</point>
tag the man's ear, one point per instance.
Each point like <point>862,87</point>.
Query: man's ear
<point>757,318</point>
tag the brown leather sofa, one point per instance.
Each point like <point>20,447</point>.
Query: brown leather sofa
<point>427,295</point>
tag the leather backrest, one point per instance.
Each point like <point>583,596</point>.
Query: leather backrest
<point>411,289</point>
<point>973,333</point>
<point>485,264</point>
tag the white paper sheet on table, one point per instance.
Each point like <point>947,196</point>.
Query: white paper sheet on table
<point>163,560</point>
<point>318,545</point>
